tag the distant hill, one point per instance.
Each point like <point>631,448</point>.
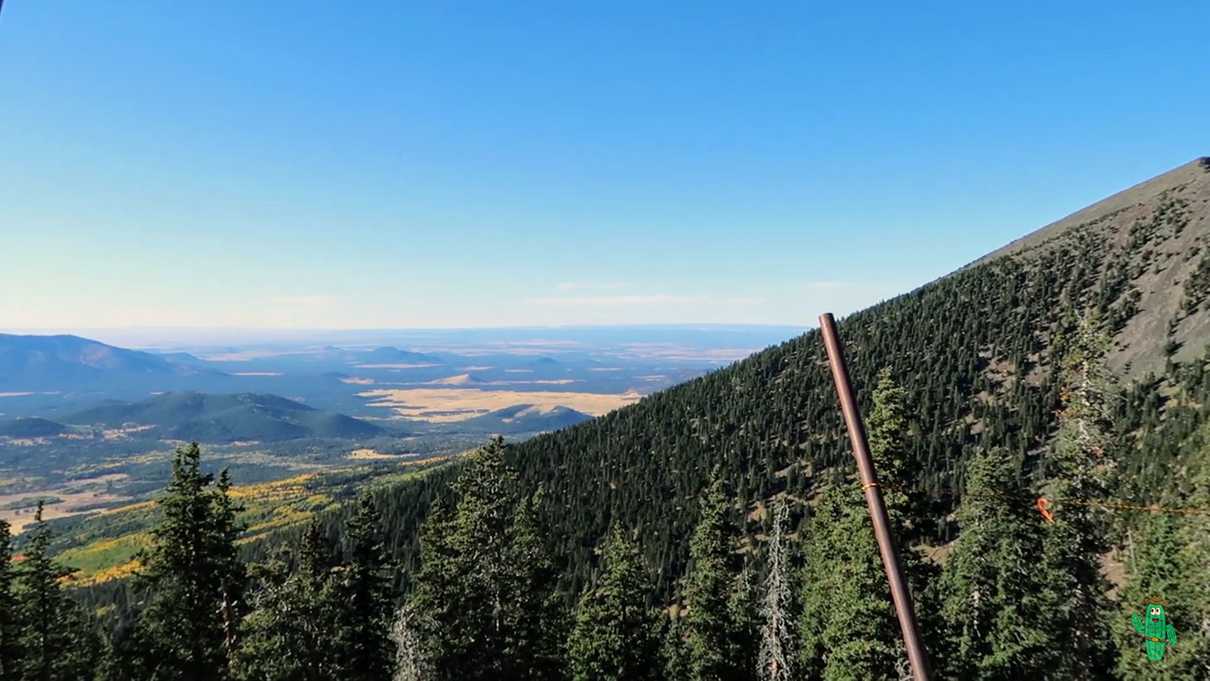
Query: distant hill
<point>460,379</point>
<point>524,418</point>
<point>220,418</point>
<point>48,362</point>
<point>31,427</point>
<point>392,355</point>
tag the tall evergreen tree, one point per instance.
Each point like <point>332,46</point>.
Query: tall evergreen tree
<point>614,638</point>
<point>55,639</point>
<point>363,592</point>
<point>10,649</point>
<point>193,575</point>
<point>993,603</point>
<point>485,573</point>
<point>889,439</point>
<point>711,632</point>
<point>1079,464</point>
<point>1167,565</point>
<point>848,631</point>
<point>535,619</point>
<point>284,636</point>
<point>1154,575</point>
<point>743,610</point>
<point>774,658</point>
<point>287,635</point>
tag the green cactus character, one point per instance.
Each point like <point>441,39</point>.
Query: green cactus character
<point>1154,627</point>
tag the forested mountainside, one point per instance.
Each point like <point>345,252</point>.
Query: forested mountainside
<point>974,352</point>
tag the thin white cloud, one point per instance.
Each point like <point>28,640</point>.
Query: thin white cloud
<point>305,301</point>
<point>636,300</point>
<point>591,286</point>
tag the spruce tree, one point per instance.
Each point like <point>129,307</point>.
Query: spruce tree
<point>280,638</point>
<point>1080,463</point>
<point>710,630</point>
<point>10,649</point>
<point>1154,575</point>
<point>743,611</point>
<point>614,638</point>
<point>363,592</point>
<point>887,427</point>
<point>535,622</point>
<point>484,591</point>
<point>991,587</point>
<point>848,631</point>
<point>443,627</point>
<point>288,634</point>
<point>55,638</point>
<point>1167,565</point>
<point>193,575</point>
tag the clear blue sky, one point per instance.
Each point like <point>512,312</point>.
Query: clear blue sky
<point>396,164</point>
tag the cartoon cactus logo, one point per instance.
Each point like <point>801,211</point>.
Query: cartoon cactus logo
<point>1154,627</point>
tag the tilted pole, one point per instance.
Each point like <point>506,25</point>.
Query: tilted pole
<point>873,498</point>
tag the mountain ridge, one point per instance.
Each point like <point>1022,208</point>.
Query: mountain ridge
<point>65,360</point>
<point>227,417</point>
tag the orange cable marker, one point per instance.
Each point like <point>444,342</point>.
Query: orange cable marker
<point>1044,508</point>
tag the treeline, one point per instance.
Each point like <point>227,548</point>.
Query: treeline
<point>1015,596</point>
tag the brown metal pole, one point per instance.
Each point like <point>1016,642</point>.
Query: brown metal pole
<point>873,498</point>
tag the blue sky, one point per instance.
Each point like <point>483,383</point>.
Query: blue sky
<point>393,164</point>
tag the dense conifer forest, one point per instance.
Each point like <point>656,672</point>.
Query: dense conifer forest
<point>714,530</point>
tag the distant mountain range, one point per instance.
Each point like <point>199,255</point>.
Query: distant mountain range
<point>389,354</point>
<point>72,362</point>
<point>224,418</point>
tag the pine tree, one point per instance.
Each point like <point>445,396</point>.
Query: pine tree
<point>281,636</point>
<point>888,434</point>
<point>443,626</point>
<point>848,631</point>
<point>10,649</point>
<point>1153,576</point>
<point>193,575</point>
<point>363,593</point>
<point>710,631</point>
<point>776,645</point>
<point>992,607</point>
<point>535,622</point>
<point>743,611</point>
<point>288,634</point>
<point>484,593</point>
<point>55,638</point>
<point>614,638</point>
<point>1081,460</point>
<point>1166,565</point>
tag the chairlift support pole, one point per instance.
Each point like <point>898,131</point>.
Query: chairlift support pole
<point>873,497</point>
